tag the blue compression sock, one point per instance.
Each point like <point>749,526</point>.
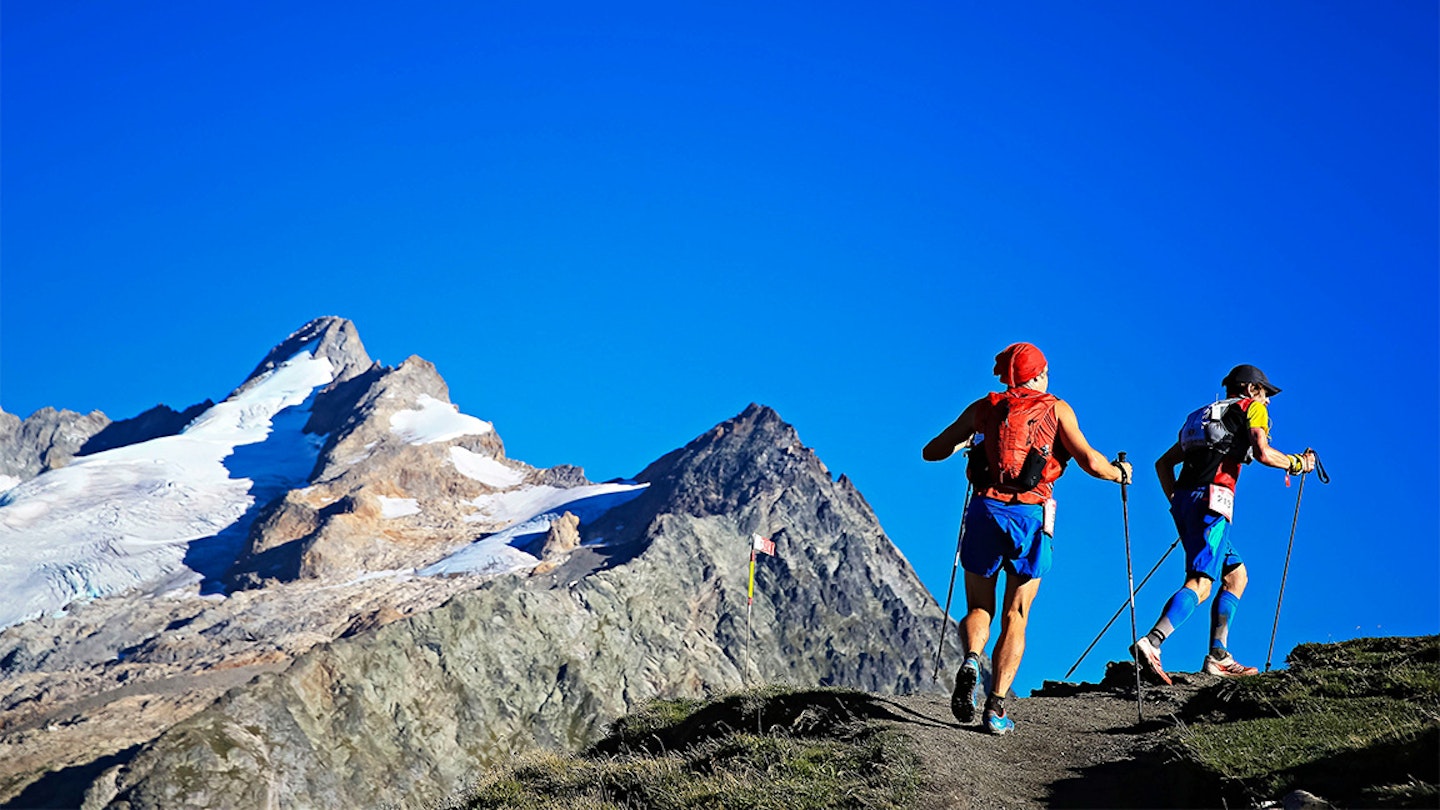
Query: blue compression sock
<point>1177,610</point>
<point>1221,615</point>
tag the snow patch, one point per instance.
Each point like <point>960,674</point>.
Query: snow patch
<point>492,555</point>
<point>489,471</point>
<point>131,517</point>
<point>435,421</point>
<point>398,507</point>
<point>537,508</point>
<point>8,482</point>
<point>530,501</point>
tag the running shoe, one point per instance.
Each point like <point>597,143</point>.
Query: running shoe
<point>1228,667</point>
<point>1147,657</point>
<point>962,700</point>
<point>998,724</point>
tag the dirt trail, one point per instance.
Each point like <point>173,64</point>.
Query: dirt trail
<point>1072,750</point>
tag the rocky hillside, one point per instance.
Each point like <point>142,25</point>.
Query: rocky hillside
<point>395,602</point>
<point>652,605</point>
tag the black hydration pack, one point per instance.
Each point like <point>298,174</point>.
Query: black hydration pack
<point>1208,428</point>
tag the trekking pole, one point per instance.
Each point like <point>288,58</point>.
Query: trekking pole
<point>1121,609</point>
<point>950,592</point>
<point>1130,577</point>
<point>1324,479</point>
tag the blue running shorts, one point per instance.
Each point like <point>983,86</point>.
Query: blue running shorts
<point>1205,535</point>
<point>1004,534</point>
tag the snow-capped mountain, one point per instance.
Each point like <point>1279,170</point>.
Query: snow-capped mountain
<point>179,511</point>
<point>333,588</point>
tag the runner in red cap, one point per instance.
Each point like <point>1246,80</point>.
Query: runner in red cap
<point>1018,363</point>
<point>1025,436</point>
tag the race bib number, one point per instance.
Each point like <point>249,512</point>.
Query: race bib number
<point>1049,525</point>
<point>1222,501</point>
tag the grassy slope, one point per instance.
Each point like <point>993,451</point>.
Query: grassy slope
<point>766,748</point>
<point>1356,722</point>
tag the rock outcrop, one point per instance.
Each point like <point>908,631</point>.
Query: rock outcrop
<point>837,605</point>
<point>560,539</point>
<point>337,527</point>
<point>83,691</point>
<point>49,439</point>
<point>46,440</point>
<point>652,604</point>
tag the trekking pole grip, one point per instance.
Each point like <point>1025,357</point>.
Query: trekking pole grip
<point>1120,459</point>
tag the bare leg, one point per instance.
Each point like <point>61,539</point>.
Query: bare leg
<point>979,612</point>
<point>974,633</point>
<point>1235,580</point>
<point>1201,587</point>
<point>1019,593</point>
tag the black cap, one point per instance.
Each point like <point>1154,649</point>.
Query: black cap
<point>1246,373</point>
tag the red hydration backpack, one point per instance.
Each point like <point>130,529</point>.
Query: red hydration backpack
<point>1021,457</point>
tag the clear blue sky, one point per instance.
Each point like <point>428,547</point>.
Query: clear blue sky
<point>612,226</point>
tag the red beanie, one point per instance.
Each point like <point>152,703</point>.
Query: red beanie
<point>1019,363</point>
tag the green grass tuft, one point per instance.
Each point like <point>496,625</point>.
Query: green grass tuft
<point>767,749</point>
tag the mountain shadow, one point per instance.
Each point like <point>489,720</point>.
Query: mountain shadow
<point>161,420</point>
<point>282,461</point>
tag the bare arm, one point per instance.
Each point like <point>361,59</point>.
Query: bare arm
<point>953,437</point>
<point>1270,457</point>
<point>1090,460</point>
<point>1165,468</point>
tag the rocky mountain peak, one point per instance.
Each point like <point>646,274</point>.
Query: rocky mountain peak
<point>333,338</point>
<point>756,419</point>
<point>732,462</point>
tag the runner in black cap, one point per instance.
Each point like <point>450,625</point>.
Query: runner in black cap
<point>1246,373</point>
<point>1215,441</point>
